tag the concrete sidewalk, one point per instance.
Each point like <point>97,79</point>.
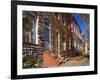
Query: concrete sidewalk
<point>76,61</point>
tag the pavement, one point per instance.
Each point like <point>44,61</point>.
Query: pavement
<point>76,61</point>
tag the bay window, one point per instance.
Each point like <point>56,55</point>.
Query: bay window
<point>30,28</point>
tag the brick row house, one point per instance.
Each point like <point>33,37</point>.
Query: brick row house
<point>49,37</point>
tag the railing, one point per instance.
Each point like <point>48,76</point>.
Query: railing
<point>33,52</point>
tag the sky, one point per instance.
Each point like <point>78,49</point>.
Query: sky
<point>82,23</point>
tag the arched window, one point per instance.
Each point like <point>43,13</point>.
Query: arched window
<point>46,34</point>
<point>29,27</point>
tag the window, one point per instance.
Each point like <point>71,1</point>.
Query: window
<point>74,28</point>
<point>27,36</point>
<point>70,43</point>
<point>29,25</point>
<point>46,32</point>
<point>63,19</point>
<point>72,25</point>
<point>56,15</point>
<point>33,34</point>
<point>64,23</point>
<point>75,43</point>
<point>64,46</point>
<point>69,26</point>
<point>63,41</point>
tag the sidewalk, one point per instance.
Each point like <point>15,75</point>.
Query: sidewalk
<point>50,60</point>
<point>76,61</point>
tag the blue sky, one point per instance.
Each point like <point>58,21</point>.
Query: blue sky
<point>83,25</point>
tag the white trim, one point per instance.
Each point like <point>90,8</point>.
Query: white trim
<point>37,27</point>
<point>58,43</point>
<point>50,40</point>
